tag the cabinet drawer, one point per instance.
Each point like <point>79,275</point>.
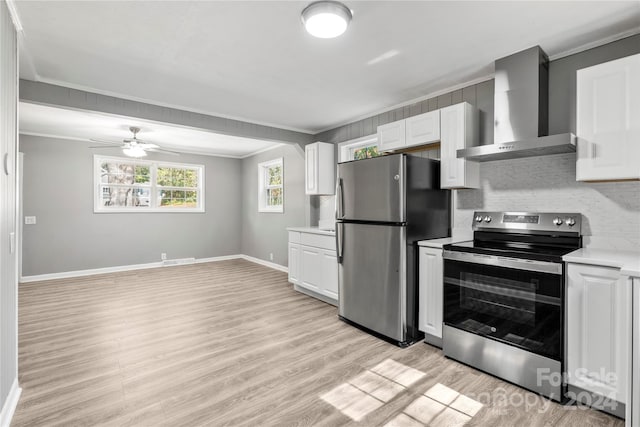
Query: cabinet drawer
<point>294,237</point>
<point>318,241</point>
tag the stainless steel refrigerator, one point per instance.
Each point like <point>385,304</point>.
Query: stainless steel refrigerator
<point>384,206</point>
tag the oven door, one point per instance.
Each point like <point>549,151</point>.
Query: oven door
<point>514,301</point>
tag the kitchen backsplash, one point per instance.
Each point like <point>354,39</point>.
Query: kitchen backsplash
<point>611,211</point>
<point>326,209</point>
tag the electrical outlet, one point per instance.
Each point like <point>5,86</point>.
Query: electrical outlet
<point>163,256</point>
<point>271,256</point>
<point>29,220</point>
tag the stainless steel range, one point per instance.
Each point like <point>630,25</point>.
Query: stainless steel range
<point>504,297</point>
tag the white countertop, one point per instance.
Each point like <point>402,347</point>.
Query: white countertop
<point>312,230</point>
<point>627,261</point>
<point>438,243</point>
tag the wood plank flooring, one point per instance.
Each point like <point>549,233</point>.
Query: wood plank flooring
<point>231,343</point>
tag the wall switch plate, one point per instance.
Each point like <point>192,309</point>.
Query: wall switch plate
<point>29,220</point>
<point>271,256</point>
<point>163,256</point>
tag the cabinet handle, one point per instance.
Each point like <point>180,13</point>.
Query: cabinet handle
<point>593,150</point>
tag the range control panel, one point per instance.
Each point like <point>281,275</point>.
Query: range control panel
<point>534,221</point>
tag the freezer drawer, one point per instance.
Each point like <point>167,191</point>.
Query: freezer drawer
<point>372,189</point>
<point>372,277</point>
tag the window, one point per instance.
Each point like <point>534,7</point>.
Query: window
<point>127,185</point>
<point>358,149</point>
<point>270,186</point>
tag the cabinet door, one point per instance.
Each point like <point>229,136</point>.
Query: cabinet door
<point>391,136</point>
<point>311,275</point>
<point>458,131</point>
<point>311,168</point>
<point>423,128</point>
<point>608,129</point>
<point>430,291</point>
<point>330,271</point>
<point>294,263</point>
<point>598,319</point>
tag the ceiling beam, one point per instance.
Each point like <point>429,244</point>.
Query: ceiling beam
<point>48,94</point>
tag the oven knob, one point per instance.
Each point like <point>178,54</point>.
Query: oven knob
<point>557,220</point>
<point>479,218</point>
<point>570,221</point>
<point>487,218</point>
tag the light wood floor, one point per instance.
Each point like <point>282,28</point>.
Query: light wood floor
<point>230,343</point>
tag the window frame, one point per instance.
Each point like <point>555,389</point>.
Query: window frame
<point>347,148</point>
<point>263,167</point>
<point>153,186</point>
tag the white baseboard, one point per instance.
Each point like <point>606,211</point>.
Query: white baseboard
<point>266,263</point>
<point>10,404</point>
<point>120,268</point>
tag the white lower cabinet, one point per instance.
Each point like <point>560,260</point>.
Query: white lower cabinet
<point>313,264</point>
<point>294,263</point>
<point>430,291</point>
<point>598,322</point>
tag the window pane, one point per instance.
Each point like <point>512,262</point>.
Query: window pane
<point>274,197</point>
<point>143,174</point>
<point>191,178</point>
<point>164,176</point>
<point>119,197</point>
<point>274,175</point>
<point>365,152</point>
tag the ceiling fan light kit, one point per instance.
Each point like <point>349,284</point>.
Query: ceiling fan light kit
<point>326,19</point>
<point>134,151</point>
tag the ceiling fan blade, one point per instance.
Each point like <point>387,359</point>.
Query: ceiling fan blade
<point>101,141</point>
<point>163,151</point>
<point>107,146</point>
<point>147,145</point>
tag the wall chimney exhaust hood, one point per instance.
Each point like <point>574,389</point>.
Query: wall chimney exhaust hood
<point>521,112</point>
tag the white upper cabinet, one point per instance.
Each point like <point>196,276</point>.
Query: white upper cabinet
<point>608,121</point>
<point>391,136</point>
<point>319,168</point>
<point>459,129</point>
<point>423,128</point>
<point>416,130</point>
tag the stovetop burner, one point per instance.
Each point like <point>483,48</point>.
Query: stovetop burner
<point>525,235</point>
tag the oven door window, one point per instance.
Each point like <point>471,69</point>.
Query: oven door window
<point>521,308</point>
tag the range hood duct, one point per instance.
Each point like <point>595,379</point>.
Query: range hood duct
<point>521,114</point>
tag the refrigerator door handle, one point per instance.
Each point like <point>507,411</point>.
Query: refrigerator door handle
<point>339,248</point>
<point>339,201</point>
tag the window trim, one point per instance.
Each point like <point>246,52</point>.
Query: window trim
<point>153,186</point>
<point>262,187</point>
<point>346,148</point>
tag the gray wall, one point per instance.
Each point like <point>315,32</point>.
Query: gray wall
<point>265,233</point>
<point>8,263</point>
<point>69,236</point>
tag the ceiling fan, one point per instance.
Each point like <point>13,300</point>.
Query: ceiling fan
<point>134,147</point>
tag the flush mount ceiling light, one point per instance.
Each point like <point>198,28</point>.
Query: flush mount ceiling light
<point>326,19</point>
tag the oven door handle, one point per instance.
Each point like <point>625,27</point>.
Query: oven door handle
<point>505,262</point>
